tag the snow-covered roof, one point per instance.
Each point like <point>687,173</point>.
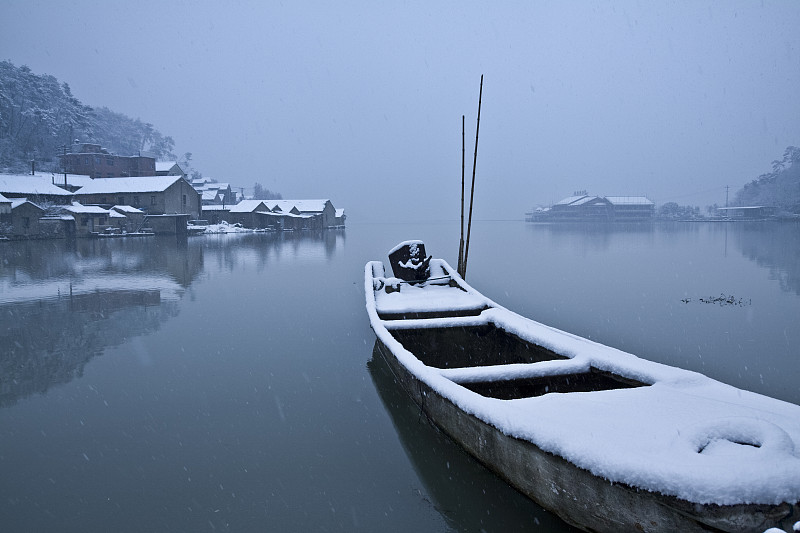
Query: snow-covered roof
<point>30,185</point>
<point>304,206</point>
<point>210,194</point>
<point>164,166</point>
<point>57,178</point>
<point>340,212</point>
<point>584,200</point>
<point>128,209</point>
<point>629,200</point>
<point>218,207</point>
<point>3,199</point>
<point>248,206</point>
<point>16,202</point>
<point>128,185</point>
<point>570,199</point>
<point>115,214</point>
<point>79,208</point>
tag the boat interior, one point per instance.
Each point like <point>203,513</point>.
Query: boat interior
<point>487,345</point>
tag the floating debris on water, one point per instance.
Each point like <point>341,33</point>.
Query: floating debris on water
<point>721,300</point>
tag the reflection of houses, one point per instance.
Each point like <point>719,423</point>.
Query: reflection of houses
<point>68,308</point>
<point>157,195</point>
<point>93,160</point>
<point>583,207</point>
<point>756,212</point>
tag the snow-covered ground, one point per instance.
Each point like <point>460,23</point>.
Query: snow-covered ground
<point>224,227</point>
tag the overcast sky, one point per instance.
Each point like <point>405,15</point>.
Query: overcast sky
<point>361,102</point>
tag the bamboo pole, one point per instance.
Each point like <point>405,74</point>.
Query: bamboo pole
<point>461,241</point>
<point>472,191</point>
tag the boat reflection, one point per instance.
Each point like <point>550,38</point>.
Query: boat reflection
<point>467,495</point>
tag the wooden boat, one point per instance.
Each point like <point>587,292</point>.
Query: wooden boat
<point>604,439</point>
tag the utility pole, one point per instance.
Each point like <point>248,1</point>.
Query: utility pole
<point>726,195</point>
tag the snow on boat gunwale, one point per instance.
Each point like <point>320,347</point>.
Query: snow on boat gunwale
<point>646,425</point>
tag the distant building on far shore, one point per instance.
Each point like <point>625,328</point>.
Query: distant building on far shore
<point>582,207</point>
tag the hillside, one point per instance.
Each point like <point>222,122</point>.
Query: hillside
<point>39,116</point>
<point>779,188</point>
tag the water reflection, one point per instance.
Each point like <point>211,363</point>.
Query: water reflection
<point>772,245</point>
<point>775,246</point>
<point>59,308</point>
<point>466,494</point>
<point>262,248</point>
<point>591,236</point>
<point>63,303</point>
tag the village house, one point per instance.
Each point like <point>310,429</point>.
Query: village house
<point>93,160</point>
<point>5,211</point>
<point>755,212</point>
<point>134,217</point>
<point>169,168</point>
<point>340,218</point>
<point>214,214</point>
<point>25,217</point>
<point>155,195</point>
<point>213,192</point>
<point>88,219</point>
<point>252,214</point>
<point>118,222</point>
<point>322,212</point>
<point>212,197</point>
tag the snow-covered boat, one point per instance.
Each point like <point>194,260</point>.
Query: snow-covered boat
<point>602,438</point>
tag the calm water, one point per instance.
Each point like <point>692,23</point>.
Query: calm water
<point>229,383</point>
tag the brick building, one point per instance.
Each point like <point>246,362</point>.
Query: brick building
<point>95,161</point>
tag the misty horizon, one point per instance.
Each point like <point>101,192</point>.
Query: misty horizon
<point>363,104</point>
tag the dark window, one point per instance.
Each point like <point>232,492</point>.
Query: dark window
<point>26,222</point>
<point>135,201</point>
<point>86,160</point>
<point>102,221</point>
<point>97,160</point>
<point>109,161</point>
<point>152,200</point>
<point>184,199</point>
<point>84,221</point>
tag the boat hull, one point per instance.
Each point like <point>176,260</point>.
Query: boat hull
<point>574,494</point>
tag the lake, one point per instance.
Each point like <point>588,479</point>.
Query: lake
<point>229,382</point>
